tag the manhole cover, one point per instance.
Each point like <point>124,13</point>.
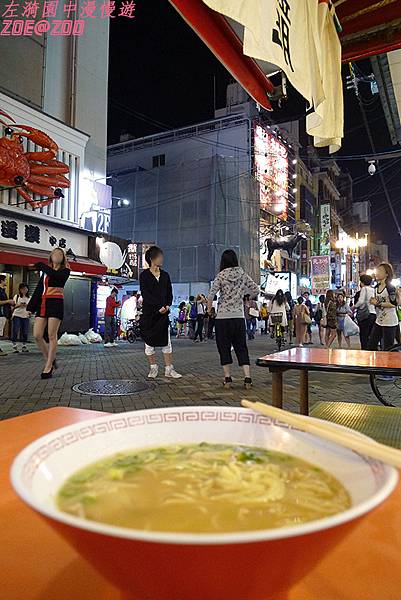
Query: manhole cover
<point>110,387</point>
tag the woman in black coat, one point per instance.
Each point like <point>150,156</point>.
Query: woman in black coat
<point>47,303</point>
<point>157,294</point>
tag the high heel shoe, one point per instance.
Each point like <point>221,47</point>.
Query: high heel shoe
<point>48,375</point>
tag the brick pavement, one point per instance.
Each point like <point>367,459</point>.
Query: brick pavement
<point>22,391</point>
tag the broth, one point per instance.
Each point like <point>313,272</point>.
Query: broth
<point>202,488</point>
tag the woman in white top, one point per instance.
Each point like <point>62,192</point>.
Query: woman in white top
<point>279,306</point>
<point>200,317</point>
<point>20,318</point>
<point>385,301</point>
<point>365,311</point>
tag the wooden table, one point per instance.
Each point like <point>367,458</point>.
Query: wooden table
<point>36,564</point>
<point>321,359</point>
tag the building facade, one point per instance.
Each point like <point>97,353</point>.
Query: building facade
<point>57,85</point>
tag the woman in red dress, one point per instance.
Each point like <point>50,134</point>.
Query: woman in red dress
<point>47,303</point>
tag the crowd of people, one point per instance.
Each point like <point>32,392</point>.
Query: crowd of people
<point>230,313</point>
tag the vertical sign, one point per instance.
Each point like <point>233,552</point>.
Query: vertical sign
<point>320,274</point>
<point>325,224</point>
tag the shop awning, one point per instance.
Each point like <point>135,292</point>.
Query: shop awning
<point>80,265</point>
<point>369,27</point>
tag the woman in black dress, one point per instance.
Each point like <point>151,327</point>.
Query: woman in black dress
<point>157,294</point>
<point>47,303</point>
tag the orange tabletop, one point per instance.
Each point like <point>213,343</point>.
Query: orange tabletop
<point>326,359</point>
<point>37,564</point>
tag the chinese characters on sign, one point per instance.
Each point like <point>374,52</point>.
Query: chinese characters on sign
<point>325,224</point>
<point>281,35</point>
<point>271,170</point>
<point>58,17</point>
<point>320,274</point>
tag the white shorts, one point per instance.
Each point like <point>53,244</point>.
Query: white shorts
<point>150,350</point>
<point>3,322</point>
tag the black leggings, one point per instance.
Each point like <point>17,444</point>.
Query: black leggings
<point>383,334</point>
<point>231,332</point>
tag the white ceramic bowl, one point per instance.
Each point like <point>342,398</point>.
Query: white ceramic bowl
<point>143,560</point>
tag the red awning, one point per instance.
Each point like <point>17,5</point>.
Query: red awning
<point>80,265</point>
<point>369,27</point>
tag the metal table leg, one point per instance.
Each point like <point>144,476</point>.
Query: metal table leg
<point>277,388</point>
<point>304,392</point>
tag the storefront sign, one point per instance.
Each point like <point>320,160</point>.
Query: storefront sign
<point>271,170</point>
<point>94,207</point>
<point>320,274</point>
<point>122,258</point>
<point>31,235</point>
<point>325,224</point>
<point>270,282</point>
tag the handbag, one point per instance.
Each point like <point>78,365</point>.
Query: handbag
<point>362,313</point>
<point>306,319</point>
<point>253,312</point>
<point>323,322</point>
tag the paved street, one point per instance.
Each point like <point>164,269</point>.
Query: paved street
<point>22,391</point>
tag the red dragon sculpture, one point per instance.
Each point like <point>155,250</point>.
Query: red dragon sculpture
<point>31,172</point>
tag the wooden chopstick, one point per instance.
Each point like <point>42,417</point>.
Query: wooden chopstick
<point>368,447</point>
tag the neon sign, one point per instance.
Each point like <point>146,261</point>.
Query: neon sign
<point>271,170</point>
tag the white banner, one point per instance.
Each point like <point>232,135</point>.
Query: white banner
<point>298,36</point>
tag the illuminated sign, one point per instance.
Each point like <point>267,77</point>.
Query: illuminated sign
<point>271,170</point>
<point>94,207</point>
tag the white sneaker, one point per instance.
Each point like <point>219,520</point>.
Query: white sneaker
<point>114,344</point>
<point>108,345</point>
<point>172,373</point>
<point>154,371</point>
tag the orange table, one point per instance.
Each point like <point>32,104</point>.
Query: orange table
<point>324,359</point>
<point>36,564</point>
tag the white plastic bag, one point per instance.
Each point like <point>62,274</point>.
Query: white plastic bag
<point>83,338</point>
<point>92,337</point>
<point>350,327</point>
<point>69,339</point>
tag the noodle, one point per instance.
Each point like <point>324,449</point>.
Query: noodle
<point>202,488</point>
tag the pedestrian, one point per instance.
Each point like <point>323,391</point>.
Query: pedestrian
<point>290,314</point>
<point>264,316</point>
<point>181,319</point>
<point>5,308</point>
<point>20,318</point>
<point>365,311</point>
<point>110,322</point>
<point>192,312</point>
<point>320,313</point>
<point>331,318</point>
<point>47,303</point>
<point>251,313</point>
<point>211,323</point>
<point>342,311</point>
<point>309,305</point>
<point>385,302</point>
<point>232,283</point>
<point>157,293</point>
<point>301,312</point>
<point>279,306</point>
<point>200,317</point>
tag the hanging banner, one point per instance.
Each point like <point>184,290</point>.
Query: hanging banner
<point>325,225</point>
<point>320,274</point>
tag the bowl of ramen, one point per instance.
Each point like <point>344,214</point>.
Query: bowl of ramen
<point>197,503</point>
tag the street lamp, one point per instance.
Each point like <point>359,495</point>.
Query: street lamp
<point>121,202</point>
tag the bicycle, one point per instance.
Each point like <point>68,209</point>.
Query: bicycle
<point>278,330</point>
<point>387,391</point>
<point>133,331</point>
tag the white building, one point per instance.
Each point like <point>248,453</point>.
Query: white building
<point>57,85</point>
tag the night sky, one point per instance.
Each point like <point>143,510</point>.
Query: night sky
<point>162,76</point>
